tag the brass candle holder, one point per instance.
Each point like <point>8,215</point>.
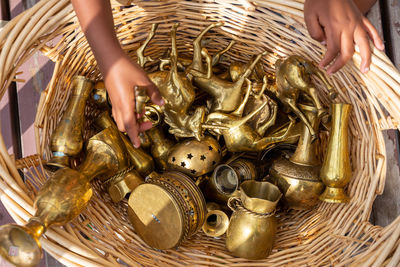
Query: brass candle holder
<point>298,176</point>
<point>336,169</point>
<point>67,140</point>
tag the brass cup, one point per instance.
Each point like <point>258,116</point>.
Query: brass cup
<point>216,222</point>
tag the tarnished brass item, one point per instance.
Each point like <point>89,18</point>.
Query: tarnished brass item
<point>178,94</point>
<point>67,140</point>
<point>236,69</point>
<point>142,161</point>
<point>99,96</point>
<point>252,227</point>
<point>216,222</point>
<point>226,95</point>
<point>298,176</point>
<point>140,98</point>
<point>195,158</point>
<point>166,210</point>
<point>293,76</point>
<point>336,169</point>
<point>160,147</point>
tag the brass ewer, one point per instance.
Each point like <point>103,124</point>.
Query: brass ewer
<point>216,222</point>
<point>298,176</point>
<point>252,227</point>
<point>336,169</point>
<point>67,140</point>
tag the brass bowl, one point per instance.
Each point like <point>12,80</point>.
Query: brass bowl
<point>166,210</point>
<point>195,158</point>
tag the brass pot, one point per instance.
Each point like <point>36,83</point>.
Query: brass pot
<point>67,139</point>
<point>195,158</point>
<point>336,169</point>
<point>166,210</point>
<point>226,179</point>
<point>298,176</point>
<point>216,222</point>
<point>252,227</point>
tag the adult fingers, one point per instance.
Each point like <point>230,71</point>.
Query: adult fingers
<point>333,48</point>
<point>154,94</point>
<point>314,27</point>
<point>346,52</point>
<point>373,34</point>
<point>361,39</point>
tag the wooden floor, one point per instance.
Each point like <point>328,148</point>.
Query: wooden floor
<point>19,105</point>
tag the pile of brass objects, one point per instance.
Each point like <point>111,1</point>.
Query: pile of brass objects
<point>229,146</point>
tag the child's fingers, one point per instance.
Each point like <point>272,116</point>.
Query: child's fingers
<point>373,34</point>
<point>154,94</point>
<point>333,48</point>
<point>314,28</point>
<point>346,52</point>
<point>361,39</point>
<point>144,126</point>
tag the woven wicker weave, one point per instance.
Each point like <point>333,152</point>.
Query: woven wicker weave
<point>331,234</point>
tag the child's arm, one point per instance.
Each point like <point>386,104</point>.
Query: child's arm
<point>121,75</point>
<point>341,25</point>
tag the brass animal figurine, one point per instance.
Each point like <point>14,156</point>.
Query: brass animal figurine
<point>178,93</point>
<point>226,95</point>
<point>238,135</point>
<point>293,76</point>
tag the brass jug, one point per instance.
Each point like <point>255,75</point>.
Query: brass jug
<point>298,176</point>
<point>336,169</point>
<point>216,222</point>
<point>252,227</point>
<point>67,139</point>
<point>142,161</point>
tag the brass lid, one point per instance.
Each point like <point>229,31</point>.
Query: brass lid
<point>156,216</point>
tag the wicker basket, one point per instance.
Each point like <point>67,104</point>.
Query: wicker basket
<point>331,234</point>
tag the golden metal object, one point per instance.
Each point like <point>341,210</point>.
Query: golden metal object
<point>142,161</point>
<point>216,222</point>
<point>226,95</point>
<point>67,140</point>
<point>336,169</point>
<point>292,78</point>
<point>166,210</point>
<point>178,94</point>
<point>239,136</point>
<point>236,69</point>
<point>252,227</point>
<point>298,176</point>
<point>160,147</point>
<point>195,158</point>
<point>140,99</point>
<point>226,179</point>
<point>99,96</point>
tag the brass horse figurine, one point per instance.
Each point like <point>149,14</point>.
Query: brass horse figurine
<point>177,92</point>
<point>292,78</point>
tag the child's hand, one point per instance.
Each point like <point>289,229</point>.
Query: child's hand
<point>341,25</point>
<point>120,80</point>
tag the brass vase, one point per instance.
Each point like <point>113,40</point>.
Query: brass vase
<point>67,139</point>
<point>99,96</point>
<point>216,222</point>
<point>252,227</point>
<point>336,169</point>
<point>160,147</point>
<point>226,179</point>
<point>298,176</point>
<point>142,161</point>
<point>166,210</point>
